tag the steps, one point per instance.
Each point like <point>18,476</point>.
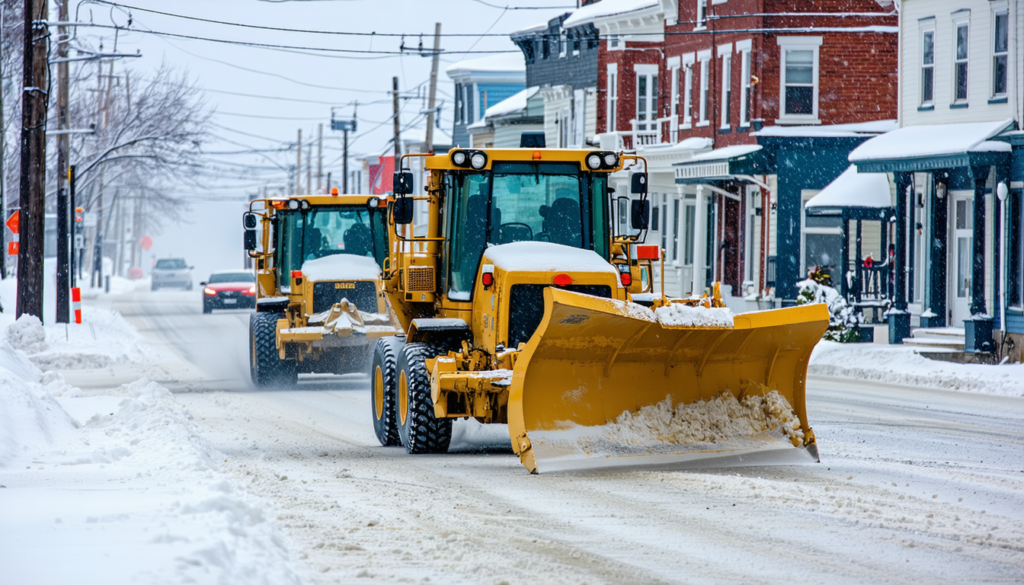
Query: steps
<point>937,339</point>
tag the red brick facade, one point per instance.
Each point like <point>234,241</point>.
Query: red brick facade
<point>857,70</point>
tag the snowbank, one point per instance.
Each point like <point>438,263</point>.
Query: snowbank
<point>687,316</point>
<point>341,267</point>
<point>894,364</point>
<point>546,256</point>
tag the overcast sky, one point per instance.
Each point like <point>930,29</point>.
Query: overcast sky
<point>308,83</point>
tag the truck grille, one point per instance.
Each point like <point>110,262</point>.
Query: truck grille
<point>362,293</point>
<point>419,279</point>
<point>526,307</point>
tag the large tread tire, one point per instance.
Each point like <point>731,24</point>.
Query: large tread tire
<point>268,369</point>
<point>420,431</point>
<point>383,390</point>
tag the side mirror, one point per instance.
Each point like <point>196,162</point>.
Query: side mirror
<point>638,185</point>
<point>640,214</point>
<point>203,283</point>
<point>249,221</point>
<point>249,242</point>
<point>402,209</point>
<point>402,184</point>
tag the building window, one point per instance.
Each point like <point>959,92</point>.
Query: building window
<point>613,42</point>
<point>675,231</point>
<point>999,54</point>
<point>927,67</point>
<point>687,92</point>
<point>592,42</point>
<point>725,52</point>
<point>691,220</point>
<point>564,129</point>
<point>575,46</point>
<point>675,93</point>
<point>458,103</point>
<point>705,90</point>
<point>960,63</point>
<point>702,13</point>
<point>546,46</point>
<point>647,99</point>
<point>563,44</point>
<point>799,87</point>
<point>745,88</point>
<point>612,93</point>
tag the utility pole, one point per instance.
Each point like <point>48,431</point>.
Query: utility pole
<point>298,164</point>
<point>63,313</point>
<point>428,145</point>
<point>309,167</point>
<point>3,155</point>
<point>398,128</point>
<point>100,231</point>
<point>33,161</point>
<point>344,164</point>
<point>319,158</point>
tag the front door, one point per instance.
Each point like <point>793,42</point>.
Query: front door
<point>960,259</point>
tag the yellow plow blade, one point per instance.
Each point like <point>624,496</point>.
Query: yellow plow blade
<point>603,384</point>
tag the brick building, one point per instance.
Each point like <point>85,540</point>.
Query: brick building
<point>741,107</point>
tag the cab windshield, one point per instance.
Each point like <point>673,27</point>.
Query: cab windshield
<point>326,231</point>
<point>522,202</point>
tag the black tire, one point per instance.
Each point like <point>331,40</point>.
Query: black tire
<point>267,368</point>
<point>383,390</point>
<point>207,308</point>
<point>420,431</point>
<point>154,287</point>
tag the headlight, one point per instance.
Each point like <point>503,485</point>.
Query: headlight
<point>611,160</point>
<point>594,162</point>
<point>459,158</point>
<point>293,204</point>
<point>209,292</point>
<point>479,160</point>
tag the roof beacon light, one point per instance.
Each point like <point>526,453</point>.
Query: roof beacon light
<point>334,191</point>
<point>478,160</point>
<point>562,280</point>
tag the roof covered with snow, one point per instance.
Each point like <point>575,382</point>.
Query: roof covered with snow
<point>929,140</point>
<point>605,8</point>
<point>830,131</point>
<point>500,63</point>
<point>727,152</point>
<point>511,105</point>
<point>855,189</point>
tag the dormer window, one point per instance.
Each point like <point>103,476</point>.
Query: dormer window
<point>1000,51</point>
<point>702,13</point>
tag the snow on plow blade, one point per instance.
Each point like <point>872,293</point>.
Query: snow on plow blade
<point>603,384</point>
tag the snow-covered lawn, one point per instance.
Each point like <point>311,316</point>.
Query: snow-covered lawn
<point>897,364</point>
<point>116,486</point>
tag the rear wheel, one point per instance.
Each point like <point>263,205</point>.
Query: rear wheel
<point>383,392</point>
<point>420,431</point>
<point>267,368</point>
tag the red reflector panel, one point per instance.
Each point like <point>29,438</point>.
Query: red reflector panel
<point>562,280</point>
<point>488,278</point>
<point>647,253</point>
<point>626,278</point>
<point>296,274</point>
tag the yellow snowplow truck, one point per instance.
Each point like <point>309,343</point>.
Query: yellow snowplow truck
<point>517,304</point>
<point>318,302</point>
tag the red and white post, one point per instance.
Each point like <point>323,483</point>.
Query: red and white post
<point>76,304</point>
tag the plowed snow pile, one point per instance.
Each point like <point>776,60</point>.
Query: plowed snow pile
<point>723,423</point>
<point>687,316</point>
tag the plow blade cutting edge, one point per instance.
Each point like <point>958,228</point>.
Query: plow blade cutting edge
<point>603,384</point>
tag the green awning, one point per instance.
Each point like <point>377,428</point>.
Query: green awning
<point>722,164</point>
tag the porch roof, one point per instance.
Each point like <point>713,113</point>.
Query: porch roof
<point>931,147</point>
<point>721,164</point>
<point>853,189</point>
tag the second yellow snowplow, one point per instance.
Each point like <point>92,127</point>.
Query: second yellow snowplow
<point>517,304</point>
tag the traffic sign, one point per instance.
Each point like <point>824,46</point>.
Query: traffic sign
<point>343,125</point>
<point>13,221</point>
<point>13,248</point>
<point>146,242</point>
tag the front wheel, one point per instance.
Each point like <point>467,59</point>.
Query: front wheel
<point>383,392</point>
<point>420,431</point>
<point>266,367</point>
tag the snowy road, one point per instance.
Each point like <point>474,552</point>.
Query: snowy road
<point>916,486</point>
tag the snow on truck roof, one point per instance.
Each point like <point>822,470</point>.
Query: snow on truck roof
<point>546,256</point>
<point>341,267</point>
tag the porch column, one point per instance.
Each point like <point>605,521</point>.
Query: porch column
<point>978,328</point>
<point>699,240</point>
<point>899,318</point>
<point>938,223</point>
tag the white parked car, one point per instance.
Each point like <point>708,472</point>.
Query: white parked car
<point>172,272</point>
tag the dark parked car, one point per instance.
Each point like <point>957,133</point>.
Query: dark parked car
<point>172,272</point>
<point>229,289</point>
